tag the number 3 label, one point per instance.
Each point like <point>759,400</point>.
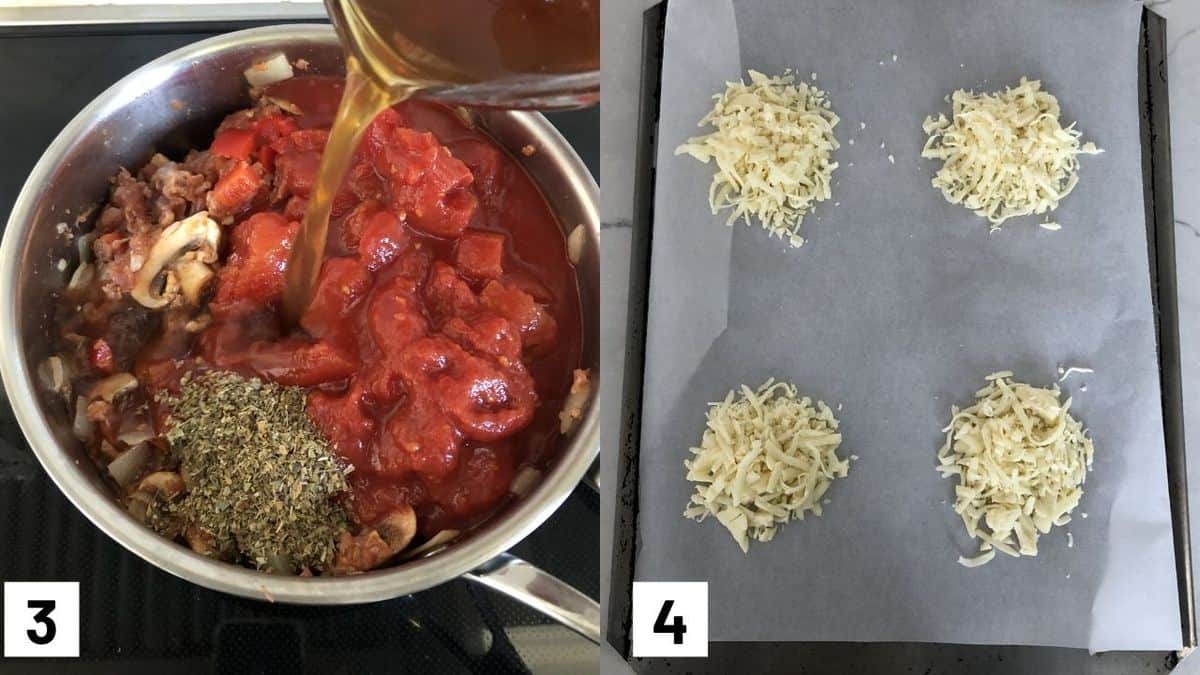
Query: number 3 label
<point>670,618</point>
<point>41,618</point>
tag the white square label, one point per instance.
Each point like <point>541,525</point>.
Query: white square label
<point>41,618</point>
<point>670,618</point>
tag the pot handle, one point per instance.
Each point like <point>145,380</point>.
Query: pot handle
<point>542,591</point>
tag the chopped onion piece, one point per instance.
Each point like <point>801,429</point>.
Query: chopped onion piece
<point>575,243</point>
<point>572,411</point>
<point>524,481</point>
<point>274,68</point>
<point>82,278</point>
<point>128,465</point>
<point>135,436</point>
<point>82,426</point>
<point>84,242</point>
<point>53,376</point>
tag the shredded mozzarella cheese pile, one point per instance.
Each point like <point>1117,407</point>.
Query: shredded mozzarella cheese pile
<point>1005,154</point>
<point>765,458</point>
<point>773,148</point>
<point>1021,461</point>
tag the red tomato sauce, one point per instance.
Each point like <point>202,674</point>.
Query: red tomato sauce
<point>441,340</point>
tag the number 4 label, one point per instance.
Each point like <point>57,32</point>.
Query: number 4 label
<point>41,618</point>
<point>670,618</point>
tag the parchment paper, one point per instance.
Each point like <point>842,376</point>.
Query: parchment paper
<point>897,307</point>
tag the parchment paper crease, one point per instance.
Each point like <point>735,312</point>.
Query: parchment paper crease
<point>897,307</point>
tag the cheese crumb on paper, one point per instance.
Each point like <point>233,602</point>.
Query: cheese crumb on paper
<point>1005,154</point>
<point>773,150</point>
<point>767,456</point>
<point>1021,461</point>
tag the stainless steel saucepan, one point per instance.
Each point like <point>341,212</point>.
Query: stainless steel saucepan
<point>174,103</point>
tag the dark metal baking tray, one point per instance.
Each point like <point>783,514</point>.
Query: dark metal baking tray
<point>889,657</point>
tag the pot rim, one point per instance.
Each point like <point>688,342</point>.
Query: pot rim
<point>484,543</point>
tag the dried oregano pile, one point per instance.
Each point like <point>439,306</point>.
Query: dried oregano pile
<point>259,476</point>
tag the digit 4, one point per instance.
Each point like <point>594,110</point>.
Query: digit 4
<point>676,628</point>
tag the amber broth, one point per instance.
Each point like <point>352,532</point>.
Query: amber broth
<point>396,48</point>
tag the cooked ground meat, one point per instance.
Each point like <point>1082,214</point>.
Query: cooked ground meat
<point>131,196</point>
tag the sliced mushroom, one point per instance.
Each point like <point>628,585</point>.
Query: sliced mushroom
<point>193,279</point>
<point>112,387</point>
<point>398,528</point>
<point>149,502</point>
<point>194,239</point>
<point>375,546</point>
<point>205,543</point>
<point>165,484</point>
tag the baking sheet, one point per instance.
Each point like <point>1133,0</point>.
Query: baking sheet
<point>896,307</point>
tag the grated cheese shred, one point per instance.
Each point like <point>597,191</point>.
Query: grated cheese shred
<point>1005,154</point>
<point>773,149</point>
<point>767,456</point>
<point>1021,461</point>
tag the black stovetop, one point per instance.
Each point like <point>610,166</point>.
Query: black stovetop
<point>135,618</point>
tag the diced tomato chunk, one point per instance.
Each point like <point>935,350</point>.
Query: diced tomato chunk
<point>296,173</point>
<point>302,140</point>
<point>394,316</point>
<point>378,135</point>
<point>428,183</point>
<point>295,208</point>
<point>425,359</point>
<point>485,161</point>
<point>418,438</point>
<point>340,285</point>
<point>482,479</point>
<point>271,128</point>
<point>160,374</point>
<point>266,156</point>
<point>363,182</point>
<point>234,191</point>
<point>538,327</point>
<point>350,230</point>
<point>480,254</point>
<point>486,401</point>
<point>486,334</point>
<point>100,355</point>
<point>253,274</point>
<point>447,294</point>
<point>343,422</point>
<point>234,143</point>
<point>383,238</point>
